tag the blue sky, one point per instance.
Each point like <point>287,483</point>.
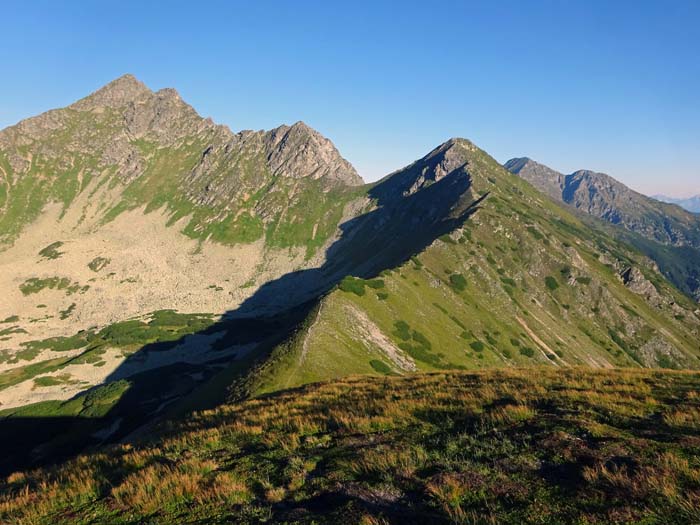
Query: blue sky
<point>609,86</point>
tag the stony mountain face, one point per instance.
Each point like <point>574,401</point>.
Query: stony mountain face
<point>691,204</point>
<point>155,262</point>
<point>603,197</point>
<point>540,176</point>
<point>156,151</point>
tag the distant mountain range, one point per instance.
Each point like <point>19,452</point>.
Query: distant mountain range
<point>690,203</point>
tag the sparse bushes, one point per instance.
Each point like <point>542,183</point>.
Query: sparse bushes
<point>51,251</point>
<point>509,282</point>
<point>35,285</point>
<point>415,344</point>
<point>164,326</point>
<point>421,340</point>
<point>416,262</point>
<point>402,330</point>
<point>356,285</point>
<point>477,346</point>
<point>60,344</point>
<point>535,233</point>
<point>98,263</point>
<point>65,314</point>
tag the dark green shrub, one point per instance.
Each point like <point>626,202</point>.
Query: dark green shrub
<point>551,282</point>
<point>51,251</point>
<point>458,282</point>
<point>421,340</point>
<point>376,284</point>
<point>402,330</point>
<point>527,351</point>
<point>98,263</point>
<point>535,233</point>
<point>352,284</point>
<point>380,366</point>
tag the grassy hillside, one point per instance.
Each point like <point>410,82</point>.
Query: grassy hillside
<point>539,446</point>
<point>523,282</point>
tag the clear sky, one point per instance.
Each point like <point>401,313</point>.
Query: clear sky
<point>612,86</point>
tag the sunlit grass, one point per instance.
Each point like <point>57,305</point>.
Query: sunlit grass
<point>501,446</point>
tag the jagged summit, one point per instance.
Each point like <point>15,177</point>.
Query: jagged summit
<point>299,149</point>
<point>116,93</point>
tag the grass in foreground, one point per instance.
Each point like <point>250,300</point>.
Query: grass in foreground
<point>500,446</point>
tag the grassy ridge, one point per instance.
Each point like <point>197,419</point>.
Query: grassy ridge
<point>522,283</point>
<point>506,446</point>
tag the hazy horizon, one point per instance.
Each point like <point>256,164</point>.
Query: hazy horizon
<point>610,88</point>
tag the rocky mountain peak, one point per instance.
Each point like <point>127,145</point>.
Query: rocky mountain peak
<point>301,151</point>
<point>117,93</point>
<point>449,157</point>
<point>539,175</point>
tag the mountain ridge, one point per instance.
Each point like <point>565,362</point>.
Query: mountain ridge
<point>653,225</point>
<point>159,263</point>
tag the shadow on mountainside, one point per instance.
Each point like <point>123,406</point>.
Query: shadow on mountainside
<point>401,225</point>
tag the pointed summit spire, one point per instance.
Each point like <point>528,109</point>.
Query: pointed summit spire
<point>117,93</point>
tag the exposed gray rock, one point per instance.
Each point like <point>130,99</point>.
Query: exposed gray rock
<point>604,197</point>
<point>634,279</point>
<point>299,151</point>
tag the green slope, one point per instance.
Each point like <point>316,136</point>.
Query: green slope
<point>528,446</point>
<point>522,282</point>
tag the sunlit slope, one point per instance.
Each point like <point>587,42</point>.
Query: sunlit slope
<point>522,282</point>
<point>540,446</point>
